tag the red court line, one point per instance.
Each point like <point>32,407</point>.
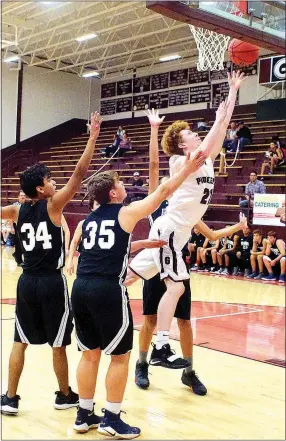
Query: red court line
<point>255,332</point>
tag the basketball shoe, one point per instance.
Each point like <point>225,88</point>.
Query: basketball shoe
<point>86,420</point>
<point>167,358</point>
<point>113,426</point>
<point>192,380</point>
<point>9,406</point>
<point>141,375</point>
<point>66,401</point>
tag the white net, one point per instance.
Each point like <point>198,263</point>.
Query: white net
<point>211,47</point>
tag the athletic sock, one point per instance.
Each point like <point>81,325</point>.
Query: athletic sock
<point>143,357</point>
<point>162,339</point>
<point>86,404</point>
<point>113,407</point>
<point>189,369</point>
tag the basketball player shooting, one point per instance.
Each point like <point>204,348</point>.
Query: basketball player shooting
<point>186,207</point>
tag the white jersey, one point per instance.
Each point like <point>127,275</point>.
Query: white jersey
<point>190,201</point>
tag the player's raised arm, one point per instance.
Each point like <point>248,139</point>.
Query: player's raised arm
<point>155,121</point>
<point>213,141</point>
<point>130,215</point>
<point>63,196</point>
<point>218,234</point>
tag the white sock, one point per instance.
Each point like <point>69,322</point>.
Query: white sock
<point>162,339</point>
<point>113,407</point>
<point>86,404</point>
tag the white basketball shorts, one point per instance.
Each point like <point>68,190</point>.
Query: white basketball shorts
<point>168,261</point>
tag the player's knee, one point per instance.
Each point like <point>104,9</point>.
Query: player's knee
<point>150,321</point>
<point>93,355</point>
<point>121,360</point>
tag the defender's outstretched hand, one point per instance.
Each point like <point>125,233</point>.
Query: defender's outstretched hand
<point>192,165</point>
<point>154,118</point>
<point>94,126</point>
<point>242,221</point>
<point>236,79</point>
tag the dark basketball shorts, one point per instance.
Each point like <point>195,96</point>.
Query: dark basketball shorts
<point>43,313</point>
<point>153,291</point>
<point>102,314</point>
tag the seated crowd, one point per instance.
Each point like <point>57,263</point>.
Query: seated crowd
<point>248,254</point>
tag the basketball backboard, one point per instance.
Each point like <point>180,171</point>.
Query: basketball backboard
<point>258,22</point>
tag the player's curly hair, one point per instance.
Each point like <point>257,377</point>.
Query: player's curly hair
<point>172,138</point>
<point>100,186</point>
<point>32,178</point>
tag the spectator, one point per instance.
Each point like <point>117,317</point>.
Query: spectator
<point>124,145</point>
<point>253,187</point>
<point>202,125</point>
<point>137,181</point>
<point>208,254</point>
<point>274,157</point>
<point>195,244</point>
<point>241,262</point>
<point>274,259</point>
<point>243,136</point>
<point>256,255</point>
<point>117,138</point>
<point>280,144</point>
<point>230,135</point>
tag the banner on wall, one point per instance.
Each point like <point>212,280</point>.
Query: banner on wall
<point>269,209</point>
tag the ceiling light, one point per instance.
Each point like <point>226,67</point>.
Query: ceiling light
<point>170,57</point>
<point>85,37</point>
<point>12,58</point>
<point>91,73</point>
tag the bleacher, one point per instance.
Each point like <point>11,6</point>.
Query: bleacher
<point>229,185</point>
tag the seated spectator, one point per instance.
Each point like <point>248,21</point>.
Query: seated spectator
<point>209,254</point>
<point>241,262</point>
<point>196,242</point>
<point>274,157</point>
<point>124,145</point>
<point>137,181</point>
<point>253,187</point>
<point>274,259</point>
<point>202,125</point>
<point>6,230</point>
<point>228,254</point>
<point>256,255</point>
<point>280,144</point>
<point>117,138</point>
<point>230,135</point>
<point>243,137</point>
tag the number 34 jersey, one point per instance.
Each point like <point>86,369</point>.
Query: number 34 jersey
<point>190,201</point>
<point>42,241</point>
<point>105,245</point>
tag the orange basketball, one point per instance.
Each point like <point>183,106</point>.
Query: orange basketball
<point>242,53</point>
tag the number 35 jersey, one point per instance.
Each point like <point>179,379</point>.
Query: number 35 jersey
<point>105,245</point>
<point>42,241</point>
<point>190,201</point>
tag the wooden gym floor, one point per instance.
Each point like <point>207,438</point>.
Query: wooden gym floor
<point>239,354</point>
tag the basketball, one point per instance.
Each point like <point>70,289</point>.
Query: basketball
<point>243,53</point>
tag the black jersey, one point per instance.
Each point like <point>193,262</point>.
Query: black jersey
<point>221,243</point>
<point>41,240</point>
<point>230,242</point>
<point>211,243</point>
<point>197,239</point>
<point>245,243</point>
<point>159,212</point>
<point>105,245</point>
<point>275,250</point>
<point>259,246</point>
